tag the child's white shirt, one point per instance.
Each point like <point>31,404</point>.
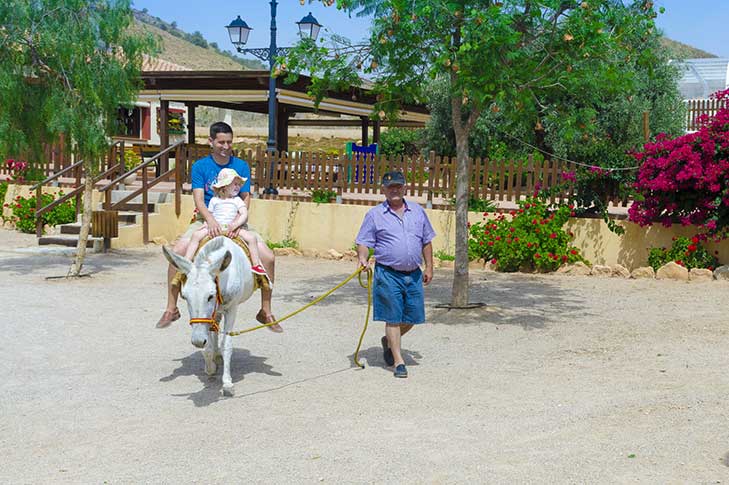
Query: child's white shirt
<point>225,210</point>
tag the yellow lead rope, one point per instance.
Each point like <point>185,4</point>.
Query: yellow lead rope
<point>368,287</point>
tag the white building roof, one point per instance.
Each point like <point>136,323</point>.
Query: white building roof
<point>701,77</point>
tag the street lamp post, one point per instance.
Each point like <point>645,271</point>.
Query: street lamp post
<point>239,31</point>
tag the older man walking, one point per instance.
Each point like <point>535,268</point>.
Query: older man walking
<point>401,236</point>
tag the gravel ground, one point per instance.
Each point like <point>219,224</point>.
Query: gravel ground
<point>558,379</point>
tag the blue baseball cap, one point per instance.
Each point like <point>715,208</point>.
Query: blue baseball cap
<point>393,178</point>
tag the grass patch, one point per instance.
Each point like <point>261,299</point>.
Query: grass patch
<point>443,256</point>
<point>286,243</point>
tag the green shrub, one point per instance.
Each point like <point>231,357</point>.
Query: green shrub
<point>443,256</point>
<point>532,239</point>
<point>400,141</point>
<point>131,159</point>
<point>24,212</point>
<point>3,190</point>
<point>686,252</point>
<point>322,196</point>
<point>286,243</point>
<point>476,204</point>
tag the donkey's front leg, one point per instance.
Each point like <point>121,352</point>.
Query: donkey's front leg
<point>209,353</point>
<point>227,348</point>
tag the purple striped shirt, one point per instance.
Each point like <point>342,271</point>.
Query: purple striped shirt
<point>398,243</point>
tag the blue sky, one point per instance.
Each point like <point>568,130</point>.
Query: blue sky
<point>700,23</point>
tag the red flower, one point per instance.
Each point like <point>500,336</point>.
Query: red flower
<point>691,247</point>
<point>537,255</point>
<point>498,238</point>
<point>511,229</point>
<point>564,258</point>
<point>491,243</point>
<point>572,214</point>
<point>679,262</point>
<point>695,240</point>
<point>552,236</point>
<point>573,252</point>
<point>493,261</point>
<point>529,244</point>
<point>536,230</point>
<point>480,243</point>
<point>516,239</point>
<point>534,221</point>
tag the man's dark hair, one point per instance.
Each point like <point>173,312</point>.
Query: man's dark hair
<point>220,127</point>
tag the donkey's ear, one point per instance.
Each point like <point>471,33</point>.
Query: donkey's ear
<point>225,262</point>
<point>182,265</point>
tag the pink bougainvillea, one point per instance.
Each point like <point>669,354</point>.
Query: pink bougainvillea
<point>686,179</point>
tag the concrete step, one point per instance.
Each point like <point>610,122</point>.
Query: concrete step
<point>117,195</point>
<point>75,228</point>
<point>94,243</point>
<point>134,207</point>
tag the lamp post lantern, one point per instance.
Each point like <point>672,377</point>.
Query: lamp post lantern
<point>239,31</point>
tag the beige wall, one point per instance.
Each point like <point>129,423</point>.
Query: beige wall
<point>327,226</point>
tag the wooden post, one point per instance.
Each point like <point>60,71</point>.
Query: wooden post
<point>282,129</point>
<point>164,136</point>
<point>646,127</point>
<point>365,130</point>
<point>39,220</point>
<point>145,213</point>
<point>190,123</point>
<point>432,173</point>
<point>179,175</point>
<point>376,131</point>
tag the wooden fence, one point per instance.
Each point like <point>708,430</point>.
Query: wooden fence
<point>432,178</point>
<point>356,180</point>
<point>697,107</point>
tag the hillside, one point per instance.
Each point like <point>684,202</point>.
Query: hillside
<point>679,50</point>
<point>190,50</point>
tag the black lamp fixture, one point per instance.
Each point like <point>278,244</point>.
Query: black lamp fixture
<point>238,30</point>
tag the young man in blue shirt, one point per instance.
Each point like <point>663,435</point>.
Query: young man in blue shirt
<point>204,174</point>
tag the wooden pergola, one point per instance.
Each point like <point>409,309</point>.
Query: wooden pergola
<point>248,91</point>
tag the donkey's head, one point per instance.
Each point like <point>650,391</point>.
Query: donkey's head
<point>200,290</point>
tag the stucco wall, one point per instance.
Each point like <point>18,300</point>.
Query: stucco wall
<point>327,226</point>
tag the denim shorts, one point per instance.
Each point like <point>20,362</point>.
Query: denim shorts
<point>397,296</point>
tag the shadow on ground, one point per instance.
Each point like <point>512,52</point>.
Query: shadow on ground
<point>529,301</point>
<point>372,357</point>
<point>58,264</point>
<point>242,362</point>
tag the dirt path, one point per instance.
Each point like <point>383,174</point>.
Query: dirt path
<point>559,379</point>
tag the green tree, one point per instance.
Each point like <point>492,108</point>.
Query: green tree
<point>65,68</point>
<point>492,55</point>
<point>591,125</point>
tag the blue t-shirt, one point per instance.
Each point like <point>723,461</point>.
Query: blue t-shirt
<point>205,172</point>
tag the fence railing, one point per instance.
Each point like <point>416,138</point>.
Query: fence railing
<point>431,178</point>
<point>697,107</point>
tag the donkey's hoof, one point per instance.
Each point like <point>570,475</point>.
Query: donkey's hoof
<point>228,391</point>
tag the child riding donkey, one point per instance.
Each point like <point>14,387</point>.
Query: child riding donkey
<point>231,213</point>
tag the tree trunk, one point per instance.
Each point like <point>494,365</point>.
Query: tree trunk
<point>459,296</point>
<point>460,268</point>
<point>85,224</point>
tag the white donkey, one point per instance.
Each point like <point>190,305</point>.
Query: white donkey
<point>223,260</point>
